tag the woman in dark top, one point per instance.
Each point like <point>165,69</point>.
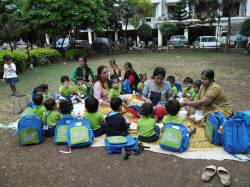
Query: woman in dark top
<point>131,75</point>
<point>83,70</point>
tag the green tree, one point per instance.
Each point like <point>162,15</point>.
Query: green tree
<point>144,31</point>
<point>245,28</point>
<point>168,29</point>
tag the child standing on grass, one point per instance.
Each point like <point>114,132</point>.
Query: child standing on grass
<point>39,108</point>
<point>95,118</point>
<point>147,129</point>
<point>171,80</point>
<point>50,117</point>
<point>188,91</point>
<point>140,86</point>
<point>10,74</point>
<point>46,95</point>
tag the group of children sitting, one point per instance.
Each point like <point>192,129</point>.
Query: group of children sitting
<point>114,124</point>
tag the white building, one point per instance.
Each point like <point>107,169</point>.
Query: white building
<point>163,9</point>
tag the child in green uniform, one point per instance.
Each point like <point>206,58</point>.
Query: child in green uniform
<point>65,89</point>
<point>171,80</point>
<point>116,89</point>
<point>188,91</point>
<point>66,107</point>
<point>147,129</point>
<point>95,118</point>
<point>114,68</point>
<point>80,89</point>
<point>196,87</point>
<point>50,117</point>
<point>173,108</point>
<point>39,108</point>
<point>46,95</point>
<point>140,86</point>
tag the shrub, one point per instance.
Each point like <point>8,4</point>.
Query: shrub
<point>73,54</point>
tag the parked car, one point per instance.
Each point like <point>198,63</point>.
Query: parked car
<point>66,43</point>
<point>21,45</point>
<point>178,41</point>
<point>100,44</point>
<point>82,44</point>
<point>6,45</point>
<point>207,42</point>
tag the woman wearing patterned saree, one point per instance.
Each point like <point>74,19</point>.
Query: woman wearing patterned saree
<point>211,99</point>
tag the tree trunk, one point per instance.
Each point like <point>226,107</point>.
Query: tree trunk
<point>54,38</point>
<point>125,33</point>
<point>110,43</point>
<point>7,33</point>
<point>228,30</point>
<point>62,44</point>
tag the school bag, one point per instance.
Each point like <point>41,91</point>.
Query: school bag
<point>61,129</point>
<point>119,71</point>
<point>28,110</point>
<point>114,144</point>
<point>30,130</point>
<point>79,133</point>
<point>212,125</point>
<point>236,134</point>
<point>179,90</point>
<point>125,87</point>
<point>174,137</point>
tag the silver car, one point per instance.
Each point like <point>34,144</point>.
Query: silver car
<point>6,45</point>
<point>179,41</point>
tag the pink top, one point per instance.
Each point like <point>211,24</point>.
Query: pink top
<point>100,93</point>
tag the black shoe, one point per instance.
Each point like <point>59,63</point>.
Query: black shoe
<point>125,152</point>
<point>139,148</point>
<point>193,131</point>
<point>12,94</point>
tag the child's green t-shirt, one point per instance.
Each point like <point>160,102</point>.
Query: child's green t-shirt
<point>79,90</point>
<point>52,118</point>
<point>114,93</point>
<point>171,119</point>
<point>174,90</point>
<point>190,91</point>
<point>194,96</point>
<point>66,91</point>
<point>95,119</point>
<point>113,71</point>
<point>146,126</point>
<point>139,85</point>
<point>38,111</point>
<point>46,96</point>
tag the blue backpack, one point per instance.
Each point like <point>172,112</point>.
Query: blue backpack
<point>79,133</point>
<point>126,87</point>
<point>61,129</point>
<point>174,137</point>
<point>30,130</point>
<point>212,125</point>
<point>28,110</point>
<point>114,144</point>
<point>236,134</point>
<point>179,90</point>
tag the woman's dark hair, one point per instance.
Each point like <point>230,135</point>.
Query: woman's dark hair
<point>66,106</point>
<point>37,98</point>
<point>173,107</point>
<point>44,86</point>
<point>98,78</point>
<point>115,103</point>
<point>91,103</point>
<point>159,71</point>
<point>49,104</point>
<point>209,74</point>
<point>112,79</point>
<point>6,57</point>
<point>64,78</point>
<point>142,75</point>
<point>84,58</point>
<point>129,65</point>
<point>188,80</point>
<point>147,110</point>
<point>197,83</point>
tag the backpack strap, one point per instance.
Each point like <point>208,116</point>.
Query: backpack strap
<point>235,156</point>
<point>46,116</point>
<point>235,136</point>
<point>247,155</point>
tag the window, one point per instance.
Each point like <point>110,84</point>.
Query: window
<point>148,19</point>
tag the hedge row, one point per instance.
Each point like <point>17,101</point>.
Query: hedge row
<point>73,54</point>
<point>38,57</point>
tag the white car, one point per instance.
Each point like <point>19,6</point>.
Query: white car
<point>207,42</point>
<point>6,45</point>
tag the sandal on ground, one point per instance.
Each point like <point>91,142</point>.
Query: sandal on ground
<point>139,148</point>
<point>193,131</point>
<point>224,175</point>
<point>125,152</point>
<point>208,172</point>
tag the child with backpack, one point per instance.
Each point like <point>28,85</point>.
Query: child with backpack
<point>147,129</point>
<point>188,91</point>
<point>140,86</point>
<point>80,89</point>
<point>116,89</point>
<point>173,108</point>
<point>39,108</point>
<point>196,87</point>
<point>46,95</point>
<point>50,117</point>
<point>66,107</point>
<point>95,118</point>
<point>116,124</point>
<point>10,74</point>
<point>114,68</point>
<point>171,80</point>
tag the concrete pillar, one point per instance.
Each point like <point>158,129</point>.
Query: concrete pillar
<point>248,8</point>
<point>95,35</point>
<point>159,10</point>
<point>186,33</point>
<point>47,38</point>
<point>137,40</point>
<point>160,38</point>
<point>217,31</point>
<point>90,36</point>
<point>116,35</point>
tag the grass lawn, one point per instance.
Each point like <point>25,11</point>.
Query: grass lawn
<point>43,165</point>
